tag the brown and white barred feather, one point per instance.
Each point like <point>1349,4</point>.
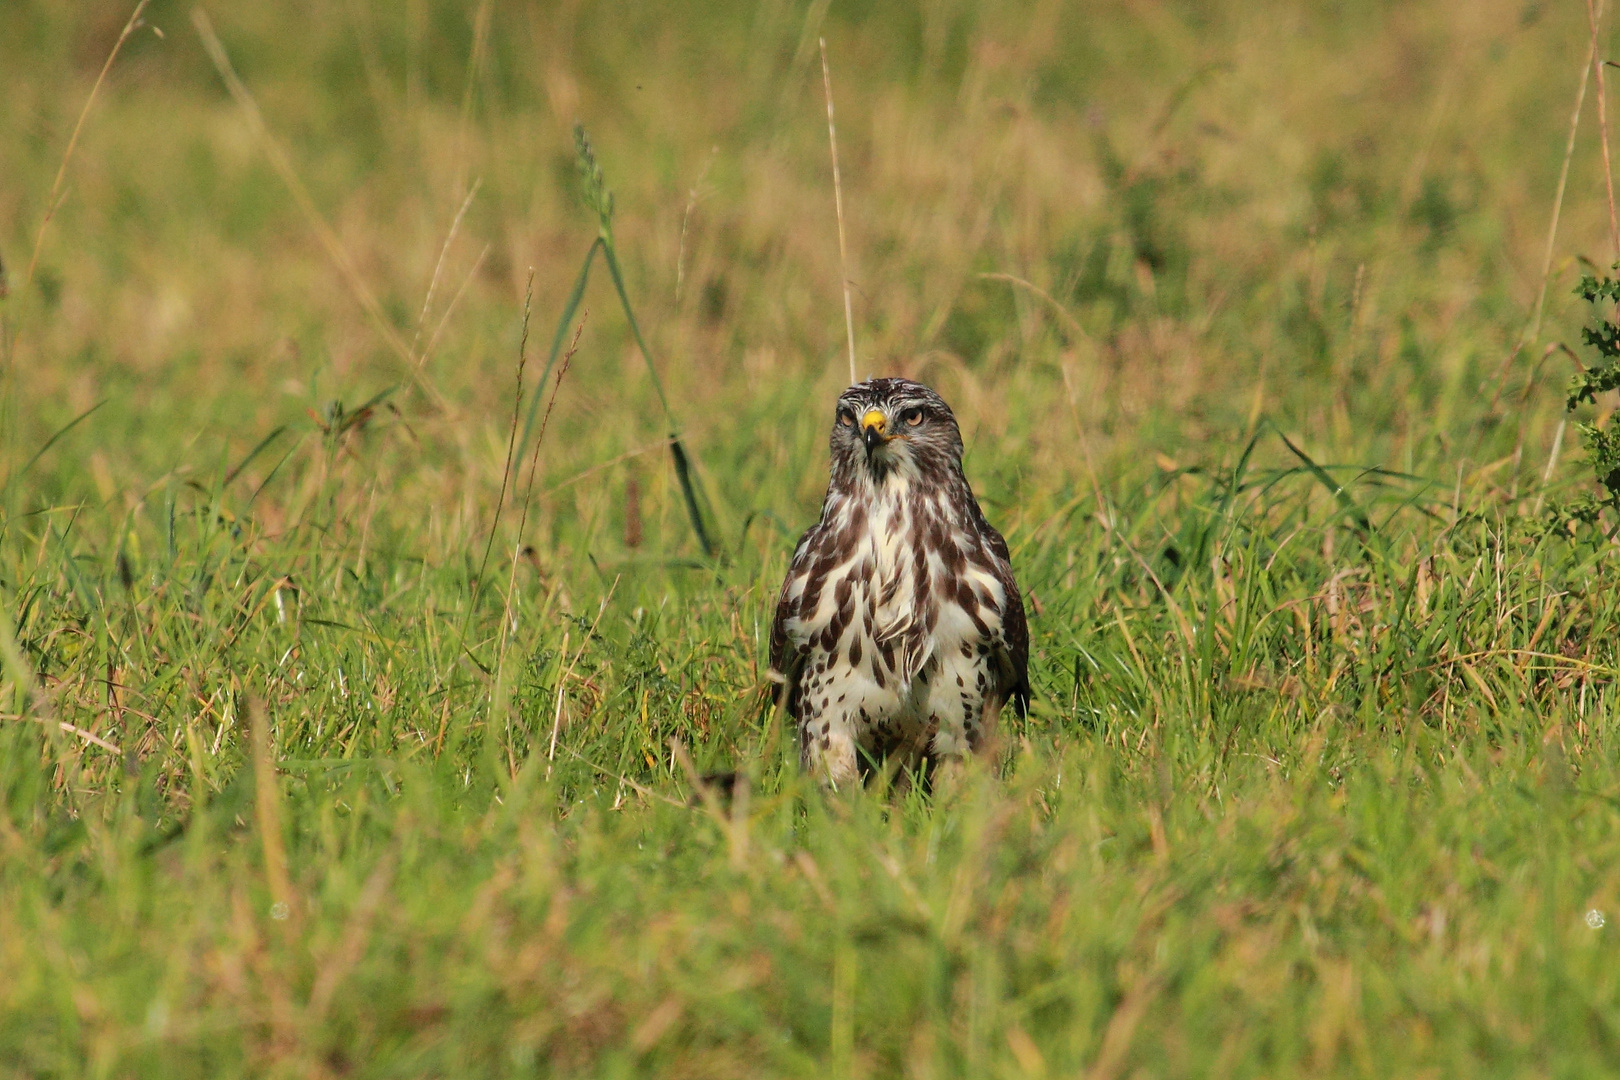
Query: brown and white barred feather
<point>900,630</point>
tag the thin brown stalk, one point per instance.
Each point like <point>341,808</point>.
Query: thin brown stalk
<point>534,456</point>
<point>1594,14</point>
<point>438,267</point>
<point>267,811</point>
<point>556,718</point>
<point>649,448</point>
<point>838,203</point>
<point>1552,464</point>
<point>500,505</point>
<point>1063,313</point>
<point>523,522</point>
<point>686,220</point>
<point>623,779</point>
<point>563,675</point>
<point>306,204</point>
<point>455,301</point>
<point>474,64</point>
<point>511,450</point>
<point>56,196</point>
<point>1533,331</point>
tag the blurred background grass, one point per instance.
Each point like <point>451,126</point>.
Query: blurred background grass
<point>1315,784</point>
<point>1202,188</point>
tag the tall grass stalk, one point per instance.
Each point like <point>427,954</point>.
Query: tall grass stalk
<point>599,200</point>
<point>1594,15</point>
<point>335,250</point>
<point>838,205</point>
<point>53,201</point>
<point>1532,331</point>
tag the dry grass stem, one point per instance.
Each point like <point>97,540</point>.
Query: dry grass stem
<point>534,467</point>
<point>267,811</point>
<point>1533,332</point>
<point>838,204</point>
<point>475,63</point>
<point>455,301</point>
<point>686,221</point>
<point>1063,314</point>
<point>438,266</point>
<point>306,204</point>
<point>1594,15</point>
<point>1552,464</point>
<point>566,673</point>
<point>506,467</point>
<point>57,194</point>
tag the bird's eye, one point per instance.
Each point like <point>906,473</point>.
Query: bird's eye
<point>846,418</point>
<point>912,417</point>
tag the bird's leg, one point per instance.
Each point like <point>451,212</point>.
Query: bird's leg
<point>947,774</point>
<point>949,740</point>
<point>827,751</point>
<point>984,740</point>
<point>905,765</point>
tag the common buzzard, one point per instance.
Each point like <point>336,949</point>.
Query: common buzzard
<point>900,631</point>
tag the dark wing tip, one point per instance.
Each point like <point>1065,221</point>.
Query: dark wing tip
<point>1020,698</point>
<point>1015,625</point>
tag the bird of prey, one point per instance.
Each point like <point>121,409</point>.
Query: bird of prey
<point>900,631</point>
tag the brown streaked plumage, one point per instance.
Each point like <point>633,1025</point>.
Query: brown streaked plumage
<point>900,631</point>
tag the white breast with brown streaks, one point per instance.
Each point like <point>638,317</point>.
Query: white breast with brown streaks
<point>896,620</point>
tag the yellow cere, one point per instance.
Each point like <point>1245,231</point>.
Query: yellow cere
<point>873,419</point>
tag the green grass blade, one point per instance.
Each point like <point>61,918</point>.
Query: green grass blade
<point>690,489</point>
<point>52,441</point>
<point>264,444</point>
<point>570,308</point>
<point>1351,508</point>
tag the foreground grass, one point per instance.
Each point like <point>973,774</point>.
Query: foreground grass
<point>334,745</point>
<point>1368,909</point>
<point>1287,835</point>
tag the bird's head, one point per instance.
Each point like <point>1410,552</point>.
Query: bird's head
<point>886,427</point>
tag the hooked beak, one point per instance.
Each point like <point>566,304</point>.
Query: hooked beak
<point>873,428</point>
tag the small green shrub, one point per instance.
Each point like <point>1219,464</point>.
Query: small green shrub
<point>1602,442</point>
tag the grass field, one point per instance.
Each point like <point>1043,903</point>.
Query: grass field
<point>337,733</point>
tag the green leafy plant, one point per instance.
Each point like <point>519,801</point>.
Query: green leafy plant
<point>1602,442</point>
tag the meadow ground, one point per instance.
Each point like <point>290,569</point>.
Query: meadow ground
<point>337,742</point>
